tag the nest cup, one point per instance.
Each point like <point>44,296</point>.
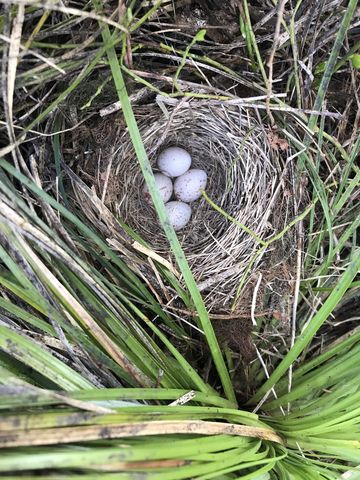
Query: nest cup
<point>231,145</point>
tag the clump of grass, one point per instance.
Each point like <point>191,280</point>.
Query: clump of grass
<point>88,358</point>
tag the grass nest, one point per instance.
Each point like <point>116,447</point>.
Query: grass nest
<point>249,194</point>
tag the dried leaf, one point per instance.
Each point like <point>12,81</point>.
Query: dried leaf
<point>276,142</point>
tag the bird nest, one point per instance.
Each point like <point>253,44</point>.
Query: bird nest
<point>249,193</point>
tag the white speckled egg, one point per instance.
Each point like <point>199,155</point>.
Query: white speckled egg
<point>164,185</point>
<point>179,214</point>
<point>174,161</point>
<point>188,186</point>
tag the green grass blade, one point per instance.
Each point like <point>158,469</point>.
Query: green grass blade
<point>160,209</point>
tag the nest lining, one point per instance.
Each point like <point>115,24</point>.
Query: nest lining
<point>243,180</point>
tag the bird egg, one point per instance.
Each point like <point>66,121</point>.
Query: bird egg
<point>179,214</point>
<point>174,161</point>
<point>188,186</point>
<point>164,186</point>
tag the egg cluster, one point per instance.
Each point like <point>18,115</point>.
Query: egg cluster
<point>175,163</point>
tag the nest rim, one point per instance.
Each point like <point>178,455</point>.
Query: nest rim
<point>246,179</point>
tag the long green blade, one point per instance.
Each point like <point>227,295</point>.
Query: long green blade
<point>160,209</point>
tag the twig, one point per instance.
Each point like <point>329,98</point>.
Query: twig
<point>272,390</point>
<point>220,316</point>
<point>253,303</point>
<point>49,62</point>
<point>232,219</point>
<point>67,10</point>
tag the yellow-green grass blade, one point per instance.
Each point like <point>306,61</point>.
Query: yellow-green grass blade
<point>110,397</point>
